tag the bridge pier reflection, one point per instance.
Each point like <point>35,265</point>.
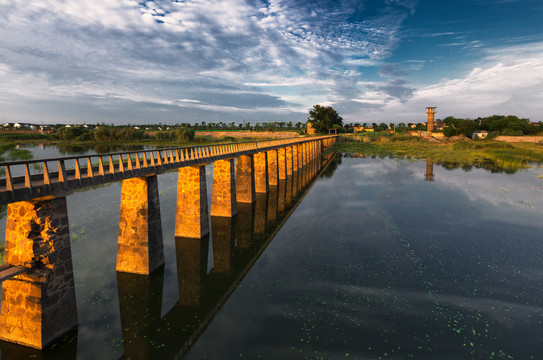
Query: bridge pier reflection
<point>244,225</point>
<point>140,302</point>
<point>261,212</point>
<point>191,268</point>
<point>272,203</point>
<point>222,229</point>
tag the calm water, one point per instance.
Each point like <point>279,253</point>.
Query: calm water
<point>374,262</point>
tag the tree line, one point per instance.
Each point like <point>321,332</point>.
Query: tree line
<point>121,133</point>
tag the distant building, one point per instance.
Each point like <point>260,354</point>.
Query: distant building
<point>357,129</point>
<point>439,125</point>
<point>310,129</point>
<point>479,134</point>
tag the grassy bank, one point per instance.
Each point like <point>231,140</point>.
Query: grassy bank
<point>486,154</point>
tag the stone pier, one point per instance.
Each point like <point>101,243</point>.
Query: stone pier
<point>261,173</point>
<point>295,158</point>
<point>304,154</point>
<point>273,168</point>
<point>289,160</point>
<point>192,216</point>
<point>245,179</point>
<point>38,307</point>
<point>140,249</point>
<point>223,198</point>
<point>282,163</point>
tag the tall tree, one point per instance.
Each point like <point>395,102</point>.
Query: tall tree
<point>323,118</point>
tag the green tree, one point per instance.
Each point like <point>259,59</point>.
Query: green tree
<point>323,118</point>
<point>184,134</point>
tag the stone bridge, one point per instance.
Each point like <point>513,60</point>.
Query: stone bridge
<point>38,303</point>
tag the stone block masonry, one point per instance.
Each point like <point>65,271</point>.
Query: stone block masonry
<point>289,160</point>
<point>261,173</point>
<point>273,168</point>
<point>223,197</point>
<point>192,214</point>
<point>140,249</point>
<point>282,163</point>
<point>245,179</point>
<point>39,306</point>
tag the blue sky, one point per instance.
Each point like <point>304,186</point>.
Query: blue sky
<point>127,61</point>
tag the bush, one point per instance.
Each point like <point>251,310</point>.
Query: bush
<point>184,134</point>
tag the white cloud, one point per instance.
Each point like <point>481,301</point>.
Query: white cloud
<point>160,51</point>
<point>507,80</point>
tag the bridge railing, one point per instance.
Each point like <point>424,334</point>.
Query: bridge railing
<point>54,176</point>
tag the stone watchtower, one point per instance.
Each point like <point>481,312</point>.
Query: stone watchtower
<point>431,112</point>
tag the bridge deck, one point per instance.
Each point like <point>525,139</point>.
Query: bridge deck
<point>97,169</point>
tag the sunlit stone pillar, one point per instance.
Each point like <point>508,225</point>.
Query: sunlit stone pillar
<point>245,179</point>
<point>273,168</point>
<point>300,156</point>
<point>261,172</point>
<point>192,216</point>
<point>282,163</point>
<point>139,247</point>
<point>289,160</point>
<point>223,197</point>
<point>38,307</point>
<point>304,154</point>
<point>295,159</point>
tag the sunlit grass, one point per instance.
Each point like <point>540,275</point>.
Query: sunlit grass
<point>486,154</point>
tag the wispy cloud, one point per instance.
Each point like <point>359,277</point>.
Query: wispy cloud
<point>234,54</point>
